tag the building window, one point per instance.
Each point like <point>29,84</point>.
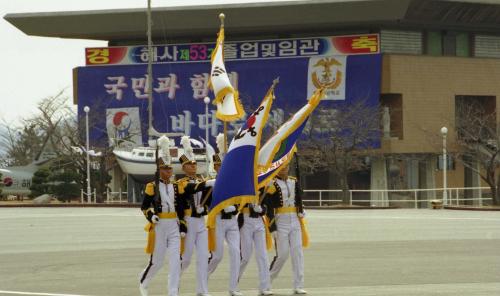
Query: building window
<point>475,117</point>
<point>487,46</point>
<point>463,45</point>
<point>433,45</point>
<point>450,160</point>
<point>406,42</point>
<point>447,43</point>
<point>392,105</point>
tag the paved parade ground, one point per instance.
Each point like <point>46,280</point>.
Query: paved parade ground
<point>99,251</point>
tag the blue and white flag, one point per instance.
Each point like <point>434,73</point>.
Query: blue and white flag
<point>279,149</point>
<point>236,181</point>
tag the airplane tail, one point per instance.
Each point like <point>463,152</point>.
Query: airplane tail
<point>46,153</point>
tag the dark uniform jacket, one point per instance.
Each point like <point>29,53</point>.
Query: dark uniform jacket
<point>274,200</point>
<point>151,204</point>
<point>192,186</point>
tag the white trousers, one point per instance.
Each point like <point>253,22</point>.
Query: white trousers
<point>167,239</point>
<point>289,243</point>
<point>227,229</point>
<point>253,235</point>
<point>197,236</point>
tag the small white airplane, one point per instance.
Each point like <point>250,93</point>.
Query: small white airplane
<point>17,180</point>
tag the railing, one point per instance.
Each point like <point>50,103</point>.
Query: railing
<point>399,197</point>
<point>84,196</point>
<point>116,196</point>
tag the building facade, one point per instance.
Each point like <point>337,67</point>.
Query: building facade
<point>436,56</point>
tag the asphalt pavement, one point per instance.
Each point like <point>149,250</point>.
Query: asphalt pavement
<point>99,251</point>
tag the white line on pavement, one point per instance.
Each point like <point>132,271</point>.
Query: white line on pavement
<point>34,293</point>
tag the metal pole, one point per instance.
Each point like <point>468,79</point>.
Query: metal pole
<point>206,100</point>
<point>444,132</point>
<point>150,72</point>
<point>86,109</point>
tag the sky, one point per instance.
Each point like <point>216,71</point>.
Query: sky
<point>34,68</point>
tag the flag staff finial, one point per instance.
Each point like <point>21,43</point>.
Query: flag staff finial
<point>222,17</point>
<point>276,81</point>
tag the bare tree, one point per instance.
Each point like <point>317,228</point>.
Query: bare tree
<point>339,139</point>
<point>477,140</point>
<point>56,122</point>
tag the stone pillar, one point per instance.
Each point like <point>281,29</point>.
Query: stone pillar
<point>412,173</point>
<point>378,180</point>
<point>476,182</point>
<point>116,179</point>
<point>134,190</point>
<point>427,180</point>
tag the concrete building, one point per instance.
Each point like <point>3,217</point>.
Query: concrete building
<point>435,54</point>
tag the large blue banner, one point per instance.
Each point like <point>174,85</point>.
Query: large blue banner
<point>117,95</point>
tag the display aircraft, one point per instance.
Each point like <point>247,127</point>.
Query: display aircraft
<point>17,180</point>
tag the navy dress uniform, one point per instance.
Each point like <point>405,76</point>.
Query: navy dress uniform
<point>195,207</point>
<point>226,228</point>
<point>285,213</point>
<point>254,234</point>
<point>163,207</point>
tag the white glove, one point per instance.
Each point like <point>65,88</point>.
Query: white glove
<point>210,183</point>
<point>199,209</point>
<point>302,215</point>
<point>257,209</point>
<point>183,234</point>
<point>155,219</point>
<point>274,234</point>
<point>229,209</point>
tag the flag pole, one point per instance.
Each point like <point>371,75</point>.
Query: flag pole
<point>222,16</point>
<point>225,137</point>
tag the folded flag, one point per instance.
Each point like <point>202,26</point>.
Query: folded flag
<point>236,181</point>
<point>228,104</point>
<point>279,149</point>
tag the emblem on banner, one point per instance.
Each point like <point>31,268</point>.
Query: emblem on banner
<point>123,124</point>
<point>329,73</point>
<point>327,79</point>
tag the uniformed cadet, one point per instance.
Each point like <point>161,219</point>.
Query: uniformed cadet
<point>164,213</point>
<point>286,213</point>
<point>226,228</point>
<point>253,234</point>
<point>196,206</point>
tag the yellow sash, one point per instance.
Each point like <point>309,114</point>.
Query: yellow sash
<point>269,239</point>
<point>211,239</point>
<point>286,210</point>
<point>305,234</point>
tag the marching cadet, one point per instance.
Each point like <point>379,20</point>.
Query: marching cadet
<point>195,206</point>
<point>163,211</point>
<point>286,213</point>
<point>226,227</point>
<point>253,231</point>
